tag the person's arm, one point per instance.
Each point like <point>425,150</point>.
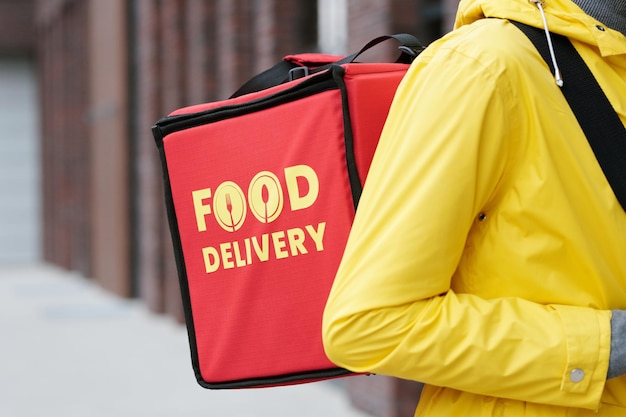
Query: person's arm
<point>392,310</point>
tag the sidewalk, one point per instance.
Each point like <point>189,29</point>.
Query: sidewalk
<point>67,348</point>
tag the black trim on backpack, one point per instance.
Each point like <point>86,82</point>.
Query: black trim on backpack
<point>178,253</point>
<point>353,173</point>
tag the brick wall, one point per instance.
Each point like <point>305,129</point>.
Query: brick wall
<point>108,139</point>
<point>17,21</point>
<point>147,211</point>
<point>367,19</point>
<point>61,34</point>
<point>82,67</point>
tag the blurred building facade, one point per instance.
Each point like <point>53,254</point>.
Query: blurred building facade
<point>107,70</point>
<point>20,222</point>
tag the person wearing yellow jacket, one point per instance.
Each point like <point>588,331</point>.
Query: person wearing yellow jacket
<point>488,254</point>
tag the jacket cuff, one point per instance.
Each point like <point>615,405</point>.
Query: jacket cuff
<point>588,342</point>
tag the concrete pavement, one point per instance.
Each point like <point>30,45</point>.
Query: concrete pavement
<point>70,349</point>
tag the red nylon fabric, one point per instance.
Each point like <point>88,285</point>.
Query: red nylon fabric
<point>263,207</point>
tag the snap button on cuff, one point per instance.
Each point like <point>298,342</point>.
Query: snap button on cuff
<point>577,375</point>
<point>600,28</point>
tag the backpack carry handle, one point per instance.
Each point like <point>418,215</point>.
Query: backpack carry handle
<point>287,70</point>
<point>410,47</point>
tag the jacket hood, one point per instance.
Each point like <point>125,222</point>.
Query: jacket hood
<point>563,17</point>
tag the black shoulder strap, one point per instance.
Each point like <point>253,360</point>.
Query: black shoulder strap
<point>597,117</point>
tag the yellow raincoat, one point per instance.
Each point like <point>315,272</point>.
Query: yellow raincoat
<point>488,248</point>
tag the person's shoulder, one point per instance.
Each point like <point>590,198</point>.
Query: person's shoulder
<point>491,43</point>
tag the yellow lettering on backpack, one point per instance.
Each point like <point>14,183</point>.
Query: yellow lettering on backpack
<point>317,235</point>
<point>274,246</point>
<point>298,201</point>
<point>200,208</point>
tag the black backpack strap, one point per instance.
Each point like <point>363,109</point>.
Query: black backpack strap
<point>597,117</point>
<point>280,73</point>
<point>271,77</point>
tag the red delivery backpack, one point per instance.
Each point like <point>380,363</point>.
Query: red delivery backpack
<point>261,191</point>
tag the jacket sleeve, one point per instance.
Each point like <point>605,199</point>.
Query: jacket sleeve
<point>393,309</point>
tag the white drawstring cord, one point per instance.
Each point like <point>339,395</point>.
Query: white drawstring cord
<point>557,72</point>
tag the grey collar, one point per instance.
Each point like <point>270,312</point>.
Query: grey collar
<point>610,12</point>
